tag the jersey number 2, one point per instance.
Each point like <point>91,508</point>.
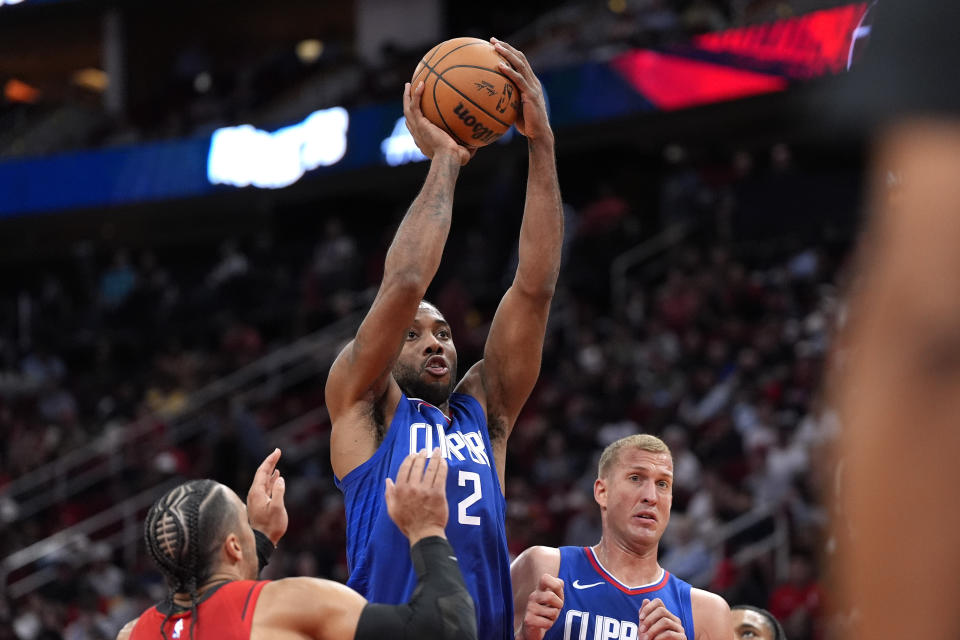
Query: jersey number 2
<point>462,516</point>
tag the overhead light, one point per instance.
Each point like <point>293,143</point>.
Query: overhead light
<point>92,79</point>
<point>309,51</point>
<point>617,6</point>
<point>16,91</point>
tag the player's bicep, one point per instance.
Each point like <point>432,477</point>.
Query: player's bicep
<point>513,352</point>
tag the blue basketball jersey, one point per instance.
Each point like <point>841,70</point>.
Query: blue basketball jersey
<point>378,554</point>
<point>596,606</point>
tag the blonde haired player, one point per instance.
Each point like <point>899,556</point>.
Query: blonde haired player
<point>616,588</point>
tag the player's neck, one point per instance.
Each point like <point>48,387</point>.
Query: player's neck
<point>182,599</point>
<point>631,565</point>
<point>443,407</point>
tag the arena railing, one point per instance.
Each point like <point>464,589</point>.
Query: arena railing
<point>103,457</point>
<point>121,526</point>
<point>37,564</point>
<point>646,251</point>
<point>776,543</point>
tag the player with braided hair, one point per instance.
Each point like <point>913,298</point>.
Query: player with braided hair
<point>210,547</point>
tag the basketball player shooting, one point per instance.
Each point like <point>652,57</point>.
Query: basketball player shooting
<point>393,390</point>
<point>586,592</point>
<point>210,548</point>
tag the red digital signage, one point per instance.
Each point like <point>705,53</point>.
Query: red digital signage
<point>745,61</point>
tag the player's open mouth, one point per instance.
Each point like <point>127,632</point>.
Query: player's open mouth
<point>649,517</point>
<point>437,366</point>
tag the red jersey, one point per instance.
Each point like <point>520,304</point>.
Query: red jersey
<point>224,613</point>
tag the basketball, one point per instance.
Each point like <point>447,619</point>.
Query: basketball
<point>464,92</point>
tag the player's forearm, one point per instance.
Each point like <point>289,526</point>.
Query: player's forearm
<point>414,255</point>
<point>441,607</point>
<point>541,232</point>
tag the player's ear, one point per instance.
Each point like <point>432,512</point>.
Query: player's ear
<point>600,492</point>
<point>231,546</point>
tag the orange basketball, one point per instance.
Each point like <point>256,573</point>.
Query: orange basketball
<point>465,93</point>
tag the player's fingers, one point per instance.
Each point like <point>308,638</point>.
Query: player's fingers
<point>551,583</point>
<point>540,616</point>
<point>548,599</point>
<point>516,59</point>
<point>433,465</point>
<point>658,620</point>
<point>419,467</point>
<point>649,606</point>
<point>388,493</point>
<point>408,103</point>
<point>438,476</point>
<point>266,468</point>
<point>271,482</point>
<point>279,490</point>
<point>440,481</point>
<point>403,473</point>
<point>512,50</point>
<point>415,97</point>
<point>661,626</point>
<point>516,76</point>
<point>411,103</point>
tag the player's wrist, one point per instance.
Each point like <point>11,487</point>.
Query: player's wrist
<point>447,153</point>
<point>265,547</point>
<point>426,531</point>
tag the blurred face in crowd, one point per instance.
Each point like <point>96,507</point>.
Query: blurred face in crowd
<point>635,494</point>
<point>427,366</point>
<point>750,625</point>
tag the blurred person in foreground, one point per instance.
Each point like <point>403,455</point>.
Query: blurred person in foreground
<point>393,389</point>
<point>754,623</point>
<point>199,536</point>
<point>896,364</point>
<point>616,588</point>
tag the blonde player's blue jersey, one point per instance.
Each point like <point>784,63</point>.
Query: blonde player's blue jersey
<point>378,555</point>
<point>596,606</point>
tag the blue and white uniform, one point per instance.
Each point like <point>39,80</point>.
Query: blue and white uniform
<point>596,606</point>
<point>378,554</point>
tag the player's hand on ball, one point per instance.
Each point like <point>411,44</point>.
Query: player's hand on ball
<point>417,500</point>
<point>265,508</point>
<point>657,623</point>
<point>430,138</point>
<point>543,607</point>
<point>532,121</point>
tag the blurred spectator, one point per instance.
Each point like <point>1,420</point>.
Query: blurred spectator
<point>233,263</point>
<point>118,281</point>
<point>797,601</point>
<point>687,557</point>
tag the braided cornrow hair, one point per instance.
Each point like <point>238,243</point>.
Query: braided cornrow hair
<point>182,530</point>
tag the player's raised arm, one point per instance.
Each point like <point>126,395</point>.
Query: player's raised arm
<point>511,359</point>
<point>360,376</point>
